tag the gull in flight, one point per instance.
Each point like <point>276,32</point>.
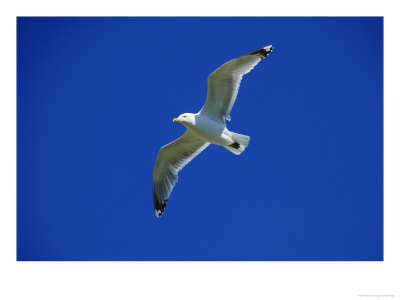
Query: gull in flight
<point>205,127</point>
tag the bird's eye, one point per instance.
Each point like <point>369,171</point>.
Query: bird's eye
<point>184,116</point>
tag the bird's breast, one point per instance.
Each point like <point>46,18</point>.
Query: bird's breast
<point>211,131</point>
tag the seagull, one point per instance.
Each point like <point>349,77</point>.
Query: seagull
<point>205,127</point>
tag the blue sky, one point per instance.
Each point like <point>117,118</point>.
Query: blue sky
<point>95,102</point>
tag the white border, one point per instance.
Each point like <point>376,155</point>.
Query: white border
<point>196,280</point>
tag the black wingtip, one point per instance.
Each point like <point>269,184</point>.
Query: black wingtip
<point>159,213</point>
<point>159,206</point>
<point>262,52</point>
<point>235,145</point>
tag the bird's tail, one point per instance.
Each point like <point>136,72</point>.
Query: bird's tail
<point>240,143</point>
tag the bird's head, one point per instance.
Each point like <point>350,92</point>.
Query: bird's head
<point>185,119</point>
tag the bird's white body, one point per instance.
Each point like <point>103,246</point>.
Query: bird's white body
<point>207,129</point>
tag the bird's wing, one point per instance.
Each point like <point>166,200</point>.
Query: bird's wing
<point>224,82</point>
<point>170,160</point>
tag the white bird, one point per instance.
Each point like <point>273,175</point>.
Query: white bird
<point>205,127</point>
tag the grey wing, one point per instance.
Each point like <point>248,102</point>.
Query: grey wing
<point>224,82</point>
<point>170,160</point>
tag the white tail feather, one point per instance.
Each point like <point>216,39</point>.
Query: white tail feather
<point>242,140</point>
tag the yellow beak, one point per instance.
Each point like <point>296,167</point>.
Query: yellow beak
<point>176,120</point>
